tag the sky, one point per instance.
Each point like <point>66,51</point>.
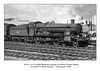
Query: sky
<point>59,13</point>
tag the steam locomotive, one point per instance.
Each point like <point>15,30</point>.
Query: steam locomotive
<point>47,33</point>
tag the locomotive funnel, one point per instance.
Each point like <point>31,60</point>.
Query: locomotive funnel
<point>72,21</point>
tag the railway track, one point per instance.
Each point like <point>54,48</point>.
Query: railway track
<point>49,52</point>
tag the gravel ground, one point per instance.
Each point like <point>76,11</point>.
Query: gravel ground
<point>13,58</point>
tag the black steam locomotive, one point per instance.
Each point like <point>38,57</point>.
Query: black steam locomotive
<point>46,33</point>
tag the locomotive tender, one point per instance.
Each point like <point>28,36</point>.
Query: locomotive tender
<point>47,33</point>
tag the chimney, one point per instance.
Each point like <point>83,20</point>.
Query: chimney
<point>72,21</point>
<point>90,23</point>
<point>86,22</point>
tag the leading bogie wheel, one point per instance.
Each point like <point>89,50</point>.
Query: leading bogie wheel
<point>75,43</point>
